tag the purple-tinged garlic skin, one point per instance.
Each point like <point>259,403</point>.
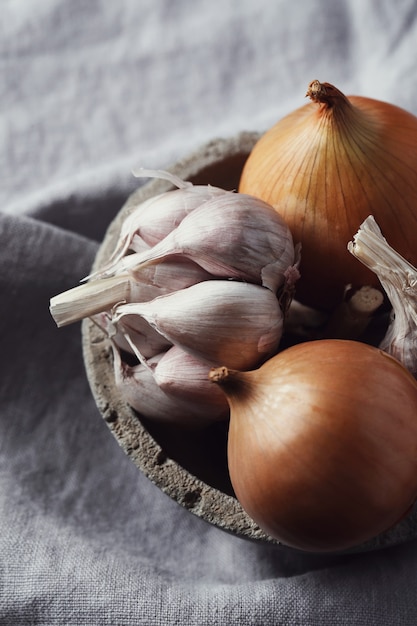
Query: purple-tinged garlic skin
<point>154,219</point>
<point>181,374</point>
<point>225,322</point>
<point>199,277</point>
<point>231,236</point>
<point>140,390</point>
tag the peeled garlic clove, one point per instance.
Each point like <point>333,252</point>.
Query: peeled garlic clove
<point>399,280</point>
<point>232,236</point>
<point>224,322</point>
<point>139,389</point>
<point>183,375</point>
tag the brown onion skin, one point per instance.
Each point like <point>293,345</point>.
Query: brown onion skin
<point>325,167</point>
<point>322,446</point>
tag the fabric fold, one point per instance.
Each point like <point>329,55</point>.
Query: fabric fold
<point>91,90</point>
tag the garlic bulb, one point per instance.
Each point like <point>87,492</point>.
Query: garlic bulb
<point>199,277</point>
<point>399,280</point>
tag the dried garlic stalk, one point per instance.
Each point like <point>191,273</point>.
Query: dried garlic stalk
<point>399,280</point>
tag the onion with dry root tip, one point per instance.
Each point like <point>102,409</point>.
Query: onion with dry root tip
<point>322,447</point>
<point>327,166</point>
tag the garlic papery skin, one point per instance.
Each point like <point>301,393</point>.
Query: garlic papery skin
<point>322,444</point>
<point>231,236</point>
<point>399,280</point>
<point>133,335</point>
<point>325,167</point>
<point>154,219</point>
<point>219,321</point>
<point>171,274</point>
<point>139,389</point>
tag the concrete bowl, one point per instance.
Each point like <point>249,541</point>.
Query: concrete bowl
<point>189,466</point>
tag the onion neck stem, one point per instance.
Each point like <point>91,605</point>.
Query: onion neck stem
<point>235,384</point>
<point>326,94</point>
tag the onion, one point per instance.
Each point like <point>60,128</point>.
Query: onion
<point>322,446</point>
<point>327,166</point>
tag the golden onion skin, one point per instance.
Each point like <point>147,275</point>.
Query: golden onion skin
<point>325,168</point>
<point>322,446</point>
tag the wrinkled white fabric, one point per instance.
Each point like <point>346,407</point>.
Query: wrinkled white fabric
<point>90,90</point>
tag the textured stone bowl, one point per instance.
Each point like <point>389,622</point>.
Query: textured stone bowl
<point>191,467</point>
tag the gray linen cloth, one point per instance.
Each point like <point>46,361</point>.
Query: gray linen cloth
<point>91,89</point>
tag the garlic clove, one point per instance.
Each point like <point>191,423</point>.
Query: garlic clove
<point>151,221</point>
<point>232,236</point>
<point>183,375</point>
<point>399,280</point>
<point>140,390</point>
<point>119,260</point>
<point>224,322</point>
<point>158,216</point>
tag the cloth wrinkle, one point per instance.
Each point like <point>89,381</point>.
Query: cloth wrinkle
<point>92,90</point>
